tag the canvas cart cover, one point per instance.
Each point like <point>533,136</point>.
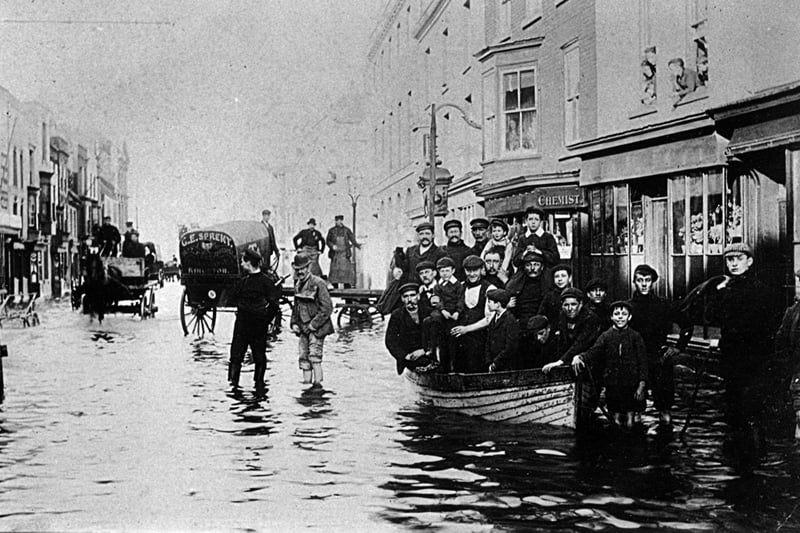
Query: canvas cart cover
<point>215,250</point>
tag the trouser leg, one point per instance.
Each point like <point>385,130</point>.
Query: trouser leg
<point>238,349</point>
<point>663,386</point>
<point>258,345</point>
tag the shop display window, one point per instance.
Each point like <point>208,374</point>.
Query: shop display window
<point>715,219</point>
<point>734,214</point>
<point>597,220</point>
<point>678,200</point>
<point>608,220</point>
<point>621,205</point>
<point>697,227</point>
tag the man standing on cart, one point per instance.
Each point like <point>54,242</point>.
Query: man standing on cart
<point>254,296</point>
<point>341,241</point>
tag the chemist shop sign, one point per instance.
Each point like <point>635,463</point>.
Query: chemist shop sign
<point>556,198</point>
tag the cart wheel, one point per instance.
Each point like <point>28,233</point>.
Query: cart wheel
<point>197,319</point>
<point>143,307</point>
<point>151,304</point>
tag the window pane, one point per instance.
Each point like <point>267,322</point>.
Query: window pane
<point>511,89</point>
<point>678,216</point>
<point>608,219</point>
<point>637,228</point>
<point>696,219</point>
<point>512,132</point>
<point>597,221</point>
<point>734,216</point>
<point>715,216</point>
<point>529,130</point>
<point>528,82</point>
<point>621,203</point>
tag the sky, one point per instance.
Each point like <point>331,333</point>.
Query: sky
<point>208,95</point>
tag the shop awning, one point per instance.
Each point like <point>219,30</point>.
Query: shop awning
<point>664,158</point>
<point>766,134</point>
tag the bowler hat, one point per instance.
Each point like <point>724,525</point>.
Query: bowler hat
<point>596,283</point>
<point>301,261</point>
<point>338,217</point>
<point>478,223</point>
<point>453,224</point>
<point>572,292</point>
<point>445,262</point>
<point>646,270</point>
<point>312,221</point>
<point>738,248</point>
<point>409,287</point>
<point>472,262</point>
<point>252,256</point>
<point>532,256</point>
<point>422,265</point>
<point>537,322</point>
<point>500,224</point>
<point>500,296</point>
<point>622,303</point>
<point>422,226</point>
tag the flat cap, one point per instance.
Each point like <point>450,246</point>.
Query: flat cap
<point>738,248</point>
<point>422,265</point>
<point>537,322</point>
<point>500,296</point>
<point>338,217</point>
<point>622,303</point>
<point>301,261</point>
<point>453,224</point>
<point>312,221</point>
<point>445,262</point>
<point>646,270</point>
<point>472,262</point>
<point>252,256</point>
<point>409,287</point>
<point>422,226</point>
<point>572,292</point>
<point>562,266</point>
<point>478,223</point>
<point>596,283</point>
<point>532,256</point>
<point>500,224</point>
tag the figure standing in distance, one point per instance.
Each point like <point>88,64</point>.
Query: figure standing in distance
<point>251,295</point>
<point>309,242</point>
<point>341,241</point>
<point>132,247</point>
<point>269,247</point>
<point>108,237</point>
<point>311,318</point>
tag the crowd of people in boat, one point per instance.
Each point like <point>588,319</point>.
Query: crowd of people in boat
<point>499,306</point>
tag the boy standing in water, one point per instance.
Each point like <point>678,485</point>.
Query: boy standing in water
<point>311,318</point>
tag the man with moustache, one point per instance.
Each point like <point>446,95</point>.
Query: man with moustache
<point>528,289</point>
<point>494,275</point>
<point>455,248</point>
<point>404,333</point>
<point>425,250</point>
<point>480,233</point>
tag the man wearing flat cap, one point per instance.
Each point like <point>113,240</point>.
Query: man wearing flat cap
<point>341,241</point>
<point>425,250</point>
<point>455,248</point>
<point>310,243</point>
<point>577,328</point>
<point>404,333</point>
<point>256,298</point>
<point>480,234</point>
<point>536,238</point>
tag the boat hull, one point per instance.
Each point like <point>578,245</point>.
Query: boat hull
<point>517,397</point>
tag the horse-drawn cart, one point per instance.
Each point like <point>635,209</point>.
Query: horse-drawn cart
<point>117,285</point>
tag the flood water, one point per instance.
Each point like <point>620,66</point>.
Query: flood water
<point>131,426</point>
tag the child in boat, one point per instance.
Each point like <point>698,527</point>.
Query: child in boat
<point>621,352</point>
<point>500,242</point>
<point>551,303</point>
<point>447,302</point>
<point>503,336</point>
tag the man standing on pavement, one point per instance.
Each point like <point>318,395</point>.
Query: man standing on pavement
<point>426,250</point>
<point>340,241</point>
<point>269,246</point>
<point>311,318</point>
<point>480,233</point>
<point>253,295</point>
<point>108,237</point>
<point>404,333</point>
<point>455,248</point>
<point>309,242</point>
<point>653,318</point>
<point>536,236</point>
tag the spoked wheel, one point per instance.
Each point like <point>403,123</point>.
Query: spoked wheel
<point>152,303</point>
<point>143,313</point>
<point>197,319</point>
<point>353,314</point>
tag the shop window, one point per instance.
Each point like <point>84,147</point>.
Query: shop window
<point>699,43</point>
<point>519,111</point>
<point>621,215</point>
<point>715,218</point>
<point>562,231</point>
<point>608,220</point>
<point>696,219</point>
<point>678,196</point>
<point>597,220</point>
<point>734,214</point>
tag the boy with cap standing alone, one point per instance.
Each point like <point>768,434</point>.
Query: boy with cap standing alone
<point>254,295</point>
<point>311,318</point>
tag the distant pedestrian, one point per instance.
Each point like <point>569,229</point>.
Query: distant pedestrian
<point>309,241</point>
<point>311,318</point>
<point>341,241</point>
<point>255,297</point>
<point>269,246</point>
<point>455,248</point>
<point>108,238</point>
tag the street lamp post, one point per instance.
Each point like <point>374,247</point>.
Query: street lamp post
<point>354,203</point>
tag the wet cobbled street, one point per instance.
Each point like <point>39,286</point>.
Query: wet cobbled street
<point>130,426</point>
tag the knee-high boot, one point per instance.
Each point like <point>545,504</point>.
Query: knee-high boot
<point>258,376</point>
<point>233,373</point>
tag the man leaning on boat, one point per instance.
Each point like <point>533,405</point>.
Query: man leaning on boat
<point>404,333</point>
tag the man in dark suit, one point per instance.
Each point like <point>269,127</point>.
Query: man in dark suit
<point>270,248</point>
<point>426,250</point>
<point>480,233</point>
<point>404,333</point>
<point>455,248</point>
<point>502,340</point>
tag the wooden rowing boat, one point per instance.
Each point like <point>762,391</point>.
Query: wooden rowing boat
<point>516,397</point>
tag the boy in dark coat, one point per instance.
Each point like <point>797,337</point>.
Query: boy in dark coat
<point>620,351</point>
<point>551,303</point>
<point>578,327</point>
<point>502,339</point>
<point>545,343</point>
<point>597,301</point>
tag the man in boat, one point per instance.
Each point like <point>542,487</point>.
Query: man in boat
<point>108,238</point>
<point>653,318</point>
<point>544,348</point>
<point>577,328</point>
<point>596,300</point>
<point>341,241</point>
<point>310,243</point>
<point>311,318</point>
<point>426,272</point>
<point>787,351</point>
<point>528,289</point>
<point>404,333</point>
<point>480,233</point>
<point>253,296</point>
<point>503,335</point>
<point>747,327</point>
<point>536,236</point>
<point>425,250</point>
<point>471,344</point>
<point>494,274</point>
<point>455,248</point>
<point>551,303</point>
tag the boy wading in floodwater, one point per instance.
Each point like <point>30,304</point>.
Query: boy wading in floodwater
<point>311,318</point>
<point>621,351</point>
